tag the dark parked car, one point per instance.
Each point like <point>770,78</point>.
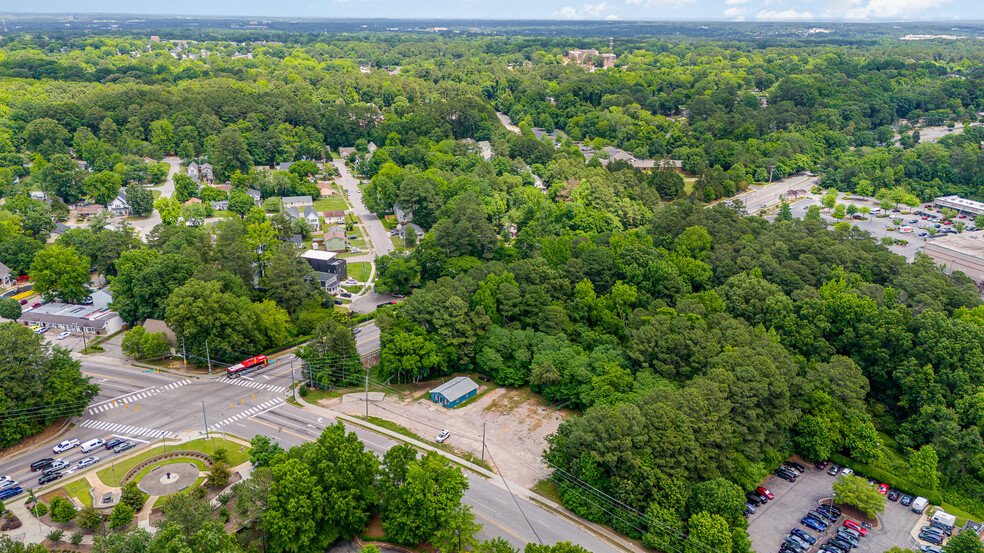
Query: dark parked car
<point>11,492</point>
<point>124,446</point>
<point>843,543</point>
<point>803,535</point>
<point>754,499</point>
<point>113,443</point>
<point>484,378</point>
<point>785,475</point>
<point>813,523</point>
<point>49,477</point>
<point>41,464</point>
<point>833,470</point>
<point>893,495</point>
<point>934,539</point>
<point>795,465</point>
<point>906,500</point>
<point>820,465</point>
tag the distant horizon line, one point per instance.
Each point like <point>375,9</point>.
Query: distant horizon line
<point>491,19</point>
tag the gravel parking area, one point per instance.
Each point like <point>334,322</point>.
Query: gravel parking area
<point>772,521</point>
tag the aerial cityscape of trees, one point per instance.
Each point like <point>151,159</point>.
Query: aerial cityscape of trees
<point>699,345</point>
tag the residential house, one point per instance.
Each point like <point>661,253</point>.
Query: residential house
<point>334,241</point>
<point>372,148</point>
<point>283,166</point>
<point>336,217</point>
<point>220,205</point>
<point>193,201</point>
<point>328,269</point>
<point>153,326</point>
<point>192,171</point>
<point>227,188</point>
<point>7,277</point>
<point>91,210</point>
<point>454,392</point>
<point>296,201</point>
<point>207,172</point>
<point>401,215</point>
<point>309,214</point>
<point>256,195</point>
<point>346,152</point>
<point>119,207</point>
<point>326,188</point>
<point>60,228</point>
<point>38,195</point>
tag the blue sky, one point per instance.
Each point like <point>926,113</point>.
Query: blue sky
<point>747,10</point>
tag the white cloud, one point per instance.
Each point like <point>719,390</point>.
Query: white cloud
<point>734,12</point>
<point>785,15</point>
<point>568,12</point>
<point>890,8</point>
<point>596,9</point>
<point>611,17</point>
<point>660,3</point>
<point>733,2</point>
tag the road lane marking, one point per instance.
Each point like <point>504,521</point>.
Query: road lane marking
<point>125,429</point>
<point>108,377</point>
<point>503,528</point>
<point>130,397</point>
<point>279,429</point>
<point>257,385</point>
<point>253,411</point>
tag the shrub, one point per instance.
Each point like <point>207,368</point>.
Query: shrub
<point>121,516</point>
<point>132,496</point>
<point>224,498</point>
<point>199,492</point>
<point>220,455</point>
<point>76,538</point>
<point>39,510</point>
<point>89,518</point>
<point>62,510</point>
<point>55,535</point>
<point>218,475</point>
<point>304,391</point>
<point>223,515</point>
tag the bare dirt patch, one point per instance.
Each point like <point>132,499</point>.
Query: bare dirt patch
<point>517,423</point>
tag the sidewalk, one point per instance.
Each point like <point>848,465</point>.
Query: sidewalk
<point>32,530</point>
<point>599,531</point>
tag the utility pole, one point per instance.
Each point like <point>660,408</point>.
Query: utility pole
<point>483,442</point>
<point>367,393</point>
<point>184,355</point>
<point>204,416</point>
<point>84,345</point>
<point>208,358</point>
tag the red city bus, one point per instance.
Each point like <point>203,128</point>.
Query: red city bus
<point>249,365</point>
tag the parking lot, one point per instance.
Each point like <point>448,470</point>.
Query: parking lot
<point>877,227</point>
<point>770,524</point>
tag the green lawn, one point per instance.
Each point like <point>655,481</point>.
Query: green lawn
<point>80,490</point>
<point>358,243</point>
<point>160,500</point>
<point>232,448</point>
<point>333,203</point>
<point>315,395</point>
<point>359,270</point>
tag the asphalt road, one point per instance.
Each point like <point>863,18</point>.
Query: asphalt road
<point>144,406</point>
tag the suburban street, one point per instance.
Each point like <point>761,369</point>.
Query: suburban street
<point>144,406</point>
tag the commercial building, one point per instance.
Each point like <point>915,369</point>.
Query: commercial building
<point>91,319</point>
<point>959,252</point>
<point>961,205</point>
<point>328,269</point>
<point>454,392</point>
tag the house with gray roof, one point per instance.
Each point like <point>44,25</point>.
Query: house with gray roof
<point>7,277</point>
<point>454,392</point>
<point>256,195</point>
<point>296,201</point>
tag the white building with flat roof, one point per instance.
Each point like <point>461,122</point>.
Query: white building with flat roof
<point>959,252</point>
<point>962,205</point>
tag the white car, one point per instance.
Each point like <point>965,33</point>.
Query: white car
<point>88,461</point>
<point>8,484</point>
<point>444,435</point>
<point>63,335</point>
<point>65,445</point>
<point>847,472</point>
<point>57,464</point>
<point>355,249</point>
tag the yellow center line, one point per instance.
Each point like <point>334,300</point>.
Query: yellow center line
<point>368,340</point>
<point>503,528</point>
<point>284,372</point>
<point>282,430</point>
<point>109,377</point>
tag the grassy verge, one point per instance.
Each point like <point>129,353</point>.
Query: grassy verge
<point>205,446</point>
<point>548,489</point>
<point>359,271</point>
<point>145,471</point>
<point>333,203</point>
<point>314,395</point>
<point>390,425</point>
<point>80,490</point>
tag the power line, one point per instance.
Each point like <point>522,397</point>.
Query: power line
<point>516,501</point>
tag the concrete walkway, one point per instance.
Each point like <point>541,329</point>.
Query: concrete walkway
<point>32,530</point>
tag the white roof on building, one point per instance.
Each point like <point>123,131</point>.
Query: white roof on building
<point>456,387</point>
<point>963,202</point>
<point>318,254</point>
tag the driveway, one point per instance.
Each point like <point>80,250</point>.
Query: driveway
<point>765,197</point>
<point>378,236</point>
<point>771,522</point>
<point>144,226</point>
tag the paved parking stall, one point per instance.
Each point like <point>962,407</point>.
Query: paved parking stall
<point>770,524</point>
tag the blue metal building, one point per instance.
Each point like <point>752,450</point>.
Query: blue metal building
<point>454,391</point>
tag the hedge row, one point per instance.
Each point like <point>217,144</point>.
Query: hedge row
<point>897,482</point>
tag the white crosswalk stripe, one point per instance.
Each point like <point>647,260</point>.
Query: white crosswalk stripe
<point>137,396</point>
<point>126,429</point>
<point>257,385</point>
<point>272,404</point>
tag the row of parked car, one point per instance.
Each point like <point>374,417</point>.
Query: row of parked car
<point>846,537</point>
<point>52,469</point>
<point>935,533</point>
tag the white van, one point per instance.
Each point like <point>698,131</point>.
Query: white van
<point>91,444</point>
<point>919,505</point>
